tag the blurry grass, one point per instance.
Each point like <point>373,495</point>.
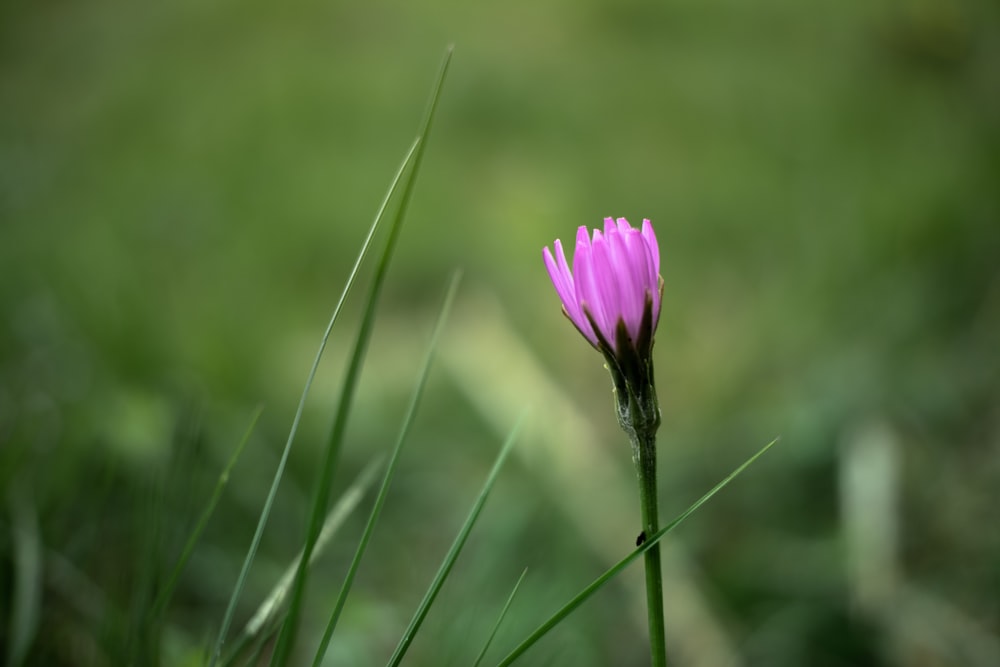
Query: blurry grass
<point>26,597</point>
<point>163,598</point>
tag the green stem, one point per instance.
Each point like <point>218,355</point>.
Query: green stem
<point>644,447</point>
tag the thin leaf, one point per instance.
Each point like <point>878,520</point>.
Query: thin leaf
<point>142,633</point>
<point>227,619</point>
<point>289,629</point>
<point>167,591</point>
<point>570,606</point>
<point>26,600</point>
<point>503,613</point>
<point>260,643</point>
<point>456,549</point>
<point>268,612</point>
<point>390,470</point>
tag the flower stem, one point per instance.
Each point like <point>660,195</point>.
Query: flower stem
<point>644,448</point>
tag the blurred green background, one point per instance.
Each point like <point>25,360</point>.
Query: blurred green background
<point>183,188</point>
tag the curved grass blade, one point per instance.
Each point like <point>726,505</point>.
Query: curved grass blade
<point>168,589</point>
<point>289,629</point>
<point>570,606</point>
<point>26,600</point>
<point>496,626</point>
<point>266,511</point>
<point>390,470</point>
<point>258,648</point>
<point>263,640</point>
<point>254,647</point>
<point>456,549</point>
<point>267,614</point>
<point>271,613</point>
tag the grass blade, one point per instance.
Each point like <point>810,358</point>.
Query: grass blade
<point>254,659</point>
<point>289,629</point>
<point>456,549</point>
<point>570,606</point>
<point>268,612</point>
<point>266,511</point>
<point>258,649</point>
<point>496,626</point>
<point>26,600</point>
<point>167,591</point>
<point>143,635</point>
<point>390,470</point>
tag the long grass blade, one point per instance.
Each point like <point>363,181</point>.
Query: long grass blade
<point>227,619</point>
<point>390,471</point>
<point>456,549</point>
<point>289,629</point>
<point>168,589</point>
<point>503,614</point>
<point>580,598</point>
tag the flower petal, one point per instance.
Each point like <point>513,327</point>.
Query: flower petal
<point>639,270</point>
<point>583,281</point>
<point>562,279</point>
<point>625,279</point>
<point>605,287</point>
<point>654,251</point>
<point>588,290</point>
<point>654,247</point>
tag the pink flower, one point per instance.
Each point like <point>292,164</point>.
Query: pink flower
<point>615,280</point>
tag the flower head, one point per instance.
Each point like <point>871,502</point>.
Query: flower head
<point>615,280</point>
<point>613,296</point>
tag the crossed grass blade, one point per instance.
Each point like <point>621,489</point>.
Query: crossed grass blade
<point>598,583</point>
